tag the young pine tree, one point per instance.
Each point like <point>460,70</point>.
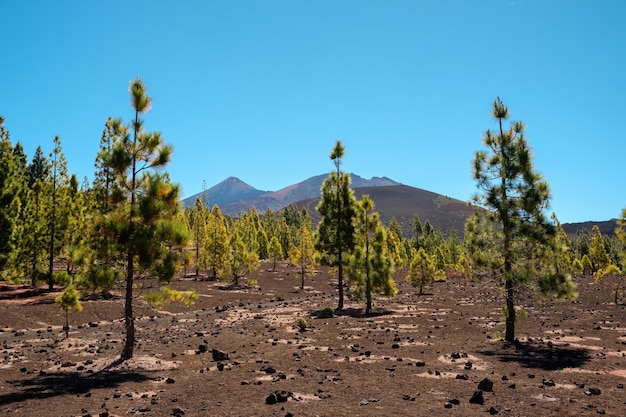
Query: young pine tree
<point>146,203</point>
<point>303,253</point>
<point>421,270</point>
<point>275,251</point>
<point>371,268</point>
<point>335,237</point>
<point>515,197</point>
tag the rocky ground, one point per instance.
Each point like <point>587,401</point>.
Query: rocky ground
<point>239,352</point>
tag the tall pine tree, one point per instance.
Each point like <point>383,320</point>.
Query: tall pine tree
<point>144,221</point>
<point>515,197</point>
<point>335,234</point>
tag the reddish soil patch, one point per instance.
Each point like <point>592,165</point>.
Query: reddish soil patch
<point>416,355</point>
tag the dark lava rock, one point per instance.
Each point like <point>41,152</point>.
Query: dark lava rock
<point>277,397</point>
<point>218,355</point>
<point>486,385</point>
<point>493,411</point>
<point>268,369</point>
<point>177,411</point>
<point>477,398</point>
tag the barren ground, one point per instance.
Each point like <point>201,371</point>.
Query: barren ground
<point>415,356</point>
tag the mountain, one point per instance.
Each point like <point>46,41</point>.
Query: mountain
<point>391,198</point>
<point>230,190</point>
<point>606,227</point>
<point>403,202</point>
<point>233,195</point>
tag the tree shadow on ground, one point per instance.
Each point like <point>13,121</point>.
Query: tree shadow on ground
<point>47,385</point>
<point>360,312</point>
<point>548,357</point>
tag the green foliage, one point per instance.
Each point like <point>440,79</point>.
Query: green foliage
<point>335,234</point>
<point>597,250</point>
<point>303,254</point>
<point>370,268</point>
<point>61,278</point>
<point>511,238</point>
<point>275,251</point>
<point>216,247</point>
<point>143,220</point>
<point>165,294</point>
<point>587,266</point>
<point>617,277</point>
<point>242,260</point>
<point>421,270</point>
<point>440,276</point>
<point>68,300</point>
<point>98,277</point>
<point>12,195</point>
<point>301,323</point>
<point>326,313</point>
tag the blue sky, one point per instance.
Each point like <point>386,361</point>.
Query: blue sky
<point>261,90</point>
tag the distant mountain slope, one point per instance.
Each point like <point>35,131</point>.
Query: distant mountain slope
<point>243,196</point>
<point>230,190</point>
<point>403,202</point>
<point>606,227</point>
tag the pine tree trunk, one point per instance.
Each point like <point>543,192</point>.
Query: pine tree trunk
<point>129,345</point>
<point>510,312</point>
<point>340,281</point>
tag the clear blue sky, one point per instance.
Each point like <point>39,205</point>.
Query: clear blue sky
<point>261,90</point>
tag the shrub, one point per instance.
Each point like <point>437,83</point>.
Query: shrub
<point>326,313</point>
<point>301,323</point>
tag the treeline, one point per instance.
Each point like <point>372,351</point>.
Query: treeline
<point>129,222</point>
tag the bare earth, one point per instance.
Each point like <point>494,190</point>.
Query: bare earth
<point>415,356</point>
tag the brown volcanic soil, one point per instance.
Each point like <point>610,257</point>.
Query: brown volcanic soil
<point>417,356</point>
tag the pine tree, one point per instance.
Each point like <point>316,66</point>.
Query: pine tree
<point>303,254</point>
<point>146,203</point>
<point>275,251</point>
<point>335,237</point>
<point>515,197</point>
<point>597,251</point>
<point>421,270</point>
<point>12,191</point>
<point>198,217</point>
<point>216,244</point>
<point>371,269</point>
<point>57,216</point>
<point>69,300</point>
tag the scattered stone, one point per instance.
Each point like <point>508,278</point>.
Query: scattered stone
<point>486,385</point>
<point>493,411</point>
<point>218,355</point>
<point>177,411</point>
<point>268,369</point>
<point>548,383</point>
<point>463,377</point>
<point>593,391</point>
<point>477,398</point>
<point>278,397</point>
